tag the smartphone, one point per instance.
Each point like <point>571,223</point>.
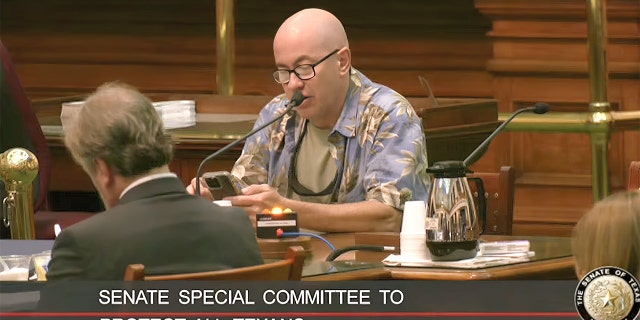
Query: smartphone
<point>221,184</point>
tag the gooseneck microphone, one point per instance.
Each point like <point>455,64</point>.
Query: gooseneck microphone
<point>538,108</point>
<point>295,101</point>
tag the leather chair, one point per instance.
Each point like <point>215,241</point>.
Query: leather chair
<point>634,176</point>
<point>288,269</point>
<point>499,194</point>
<point>19,127</point>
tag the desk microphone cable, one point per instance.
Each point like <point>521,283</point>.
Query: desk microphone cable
<point>363,247</point>
<point>336,252</point>
<point>280,234</point>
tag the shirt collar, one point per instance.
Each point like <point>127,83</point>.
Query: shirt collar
<point>358,96</point>
<point>147,179</point>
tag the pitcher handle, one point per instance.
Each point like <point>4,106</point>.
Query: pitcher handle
<point>482,201</point>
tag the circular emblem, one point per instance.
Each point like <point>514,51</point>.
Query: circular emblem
<point>608,293</point>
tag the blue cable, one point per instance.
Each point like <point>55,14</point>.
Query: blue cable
<point>298,234</point>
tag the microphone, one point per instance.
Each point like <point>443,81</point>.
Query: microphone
<point>295,101</point>
<point>538,108</point>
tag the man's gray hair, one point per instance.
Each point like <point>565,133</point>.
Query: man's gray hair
<point>119,125</point>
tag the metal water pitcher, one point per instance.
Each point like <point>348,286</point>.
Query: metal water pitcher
<point>453,225</point>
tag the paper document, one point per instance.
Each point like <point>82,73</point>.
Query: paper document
<point>177,113</point>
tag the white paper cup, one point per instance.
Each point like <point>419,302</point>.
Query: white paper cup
<point>414,247</point>
<point>414,217</point>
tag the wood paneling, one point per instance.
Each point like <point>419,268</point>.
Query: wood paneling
<point>66,47</point>
<point>540,54</point>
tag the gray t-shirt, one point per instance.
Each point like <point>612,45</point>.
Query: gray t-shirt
<point>315,166</point>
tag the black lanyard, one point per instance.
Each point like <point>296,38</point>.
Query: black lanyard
<point>297,187</point>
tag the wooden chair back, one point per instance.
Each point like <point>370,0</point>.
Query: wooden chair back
<point>288,269</point>
<point>634,176</point>
<point>499,194</point>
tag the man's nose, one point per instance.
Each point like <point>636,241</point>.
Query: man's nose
<point>294,81</point>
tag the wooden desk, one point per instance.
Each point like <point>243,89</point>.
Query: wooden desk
<point>553,260</point>
<point>550,269</point>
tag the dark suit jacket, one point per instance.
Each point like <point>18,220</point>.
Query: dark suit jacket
<point>161,226</point>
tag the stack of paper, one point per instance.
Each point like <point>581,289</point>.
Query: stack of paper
<point>497,248</point>
<point>69,111</point>
<point>174,113</point>
<point>177,113</point>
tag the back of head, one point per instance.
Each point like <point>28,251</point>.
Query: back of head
<point>609,235</point>
<point>120,126</point>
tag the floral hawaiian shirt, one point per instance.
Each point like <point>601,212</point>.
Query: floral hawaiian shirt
<point>378,145</point>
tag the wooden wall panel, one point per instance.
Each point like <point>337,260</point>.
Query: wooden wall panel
<point>540,54</point>
<point>70,46</point>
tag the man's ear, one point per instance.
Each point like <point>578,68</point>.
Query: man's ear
<point>344,60</point>
<point>104,173</point>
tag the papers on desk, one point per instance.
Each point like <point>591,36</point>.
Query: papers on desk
<point>52,130</point>
<point>487,256</point>
<point>174,113</point>
<point>69,112</point>
<point>177,113</point>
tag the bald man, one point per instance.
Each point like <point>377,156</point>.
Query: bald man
<point>352,153</point>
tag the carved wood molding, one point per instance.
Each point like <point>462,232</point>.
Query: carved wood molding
<point>541,215</point>
<point>548,37</point>
<point>552,9</point>
<point>617,70</point>
<point>554,179</point>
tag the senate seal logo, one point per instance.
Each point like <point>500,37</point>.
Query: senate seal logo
<point>608,293</point>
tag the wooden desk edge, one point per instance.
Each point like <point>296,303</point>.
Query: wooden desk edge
<point>558,268</point>
<point>363,274</point>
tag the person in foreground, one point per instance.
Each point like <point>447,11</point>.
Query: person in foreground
<point>119,140</point>
<point>352,152</point>
<point>609,235</point>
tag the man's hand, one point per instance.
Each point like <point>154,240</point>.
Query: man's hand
<point>255,198</point>
<point>204,191</point>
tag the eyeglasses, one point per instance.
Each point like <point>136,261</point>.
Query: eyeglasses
<point>303,71</point>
